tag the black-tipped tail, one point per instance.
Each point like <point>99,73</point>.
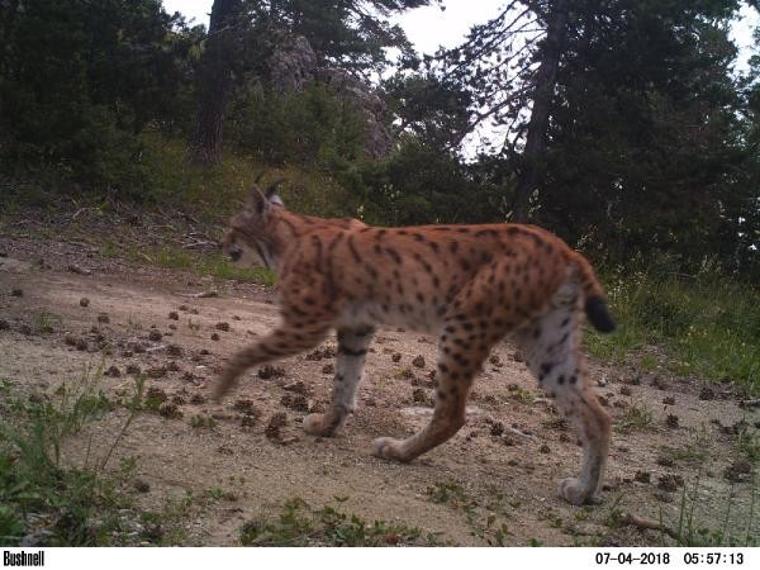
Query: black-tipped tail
<point>598,315</point>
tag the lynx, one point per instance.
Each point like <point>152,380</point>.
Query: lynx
<point>470,285</point>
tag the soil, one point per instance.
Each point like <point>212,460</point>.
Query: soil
<point>671,446</point>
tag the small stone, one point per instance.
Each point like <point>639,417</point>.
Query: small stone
<point>173,315</point>
<point>17,292</point>
<point>4,325</point>
<point>154,335</point>
<point>739,471</point>
<point>671,421</point>
<point>156,372</point>
<point>328,369</point>
<point>104,318</point>
<point>183,308</point>
<point>268,371</point>
<point>669,401</point>
<point>113,372</point>
<point>172,366</point>
<point>248,421</point>
<point>419,361</point>
<point>665,461</point>
<point>625,391</point>
<point>396,357</point>
<point>245,406</point>
<point>70,339</point>
<point>544,449</point>
<point>141,486</point>
<point>84,302</point>
<point>198,399</point>
<point>223,326</point>
<point>174,350</point>
<point>670,482</point>
<point>215,336</point>
<point>295,402</point>
<point>133,369</point>
<point>298,387</point>
<point>170,410</point>
<point>497,428</point>
<point>643,477</point>
<point>496,361</point>
<point>707,394</point>
<point>81,344</point>
<point>172,326</point>
<point>276,422</point>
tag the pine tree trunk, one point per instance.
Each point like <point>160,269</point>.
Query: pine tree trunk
<point>535,144</point>
<point>215,82</point>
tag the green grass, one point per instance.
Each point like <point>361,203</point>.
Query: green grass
<point>211,264</point>
<point>38,492</point>
<point>708,326</point>
<point>298,524</point>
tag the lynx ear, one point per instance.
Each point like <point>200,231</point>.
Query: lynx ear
<point>257,201</point>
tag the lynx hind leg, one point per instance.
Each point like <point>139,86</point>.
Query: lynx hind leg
<point>352,353</point>
<point>287,340</point>
<point>457,368</point>
<point>551,346</point>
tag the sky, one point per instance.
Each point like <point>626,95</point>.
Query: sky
<point>428,28</point>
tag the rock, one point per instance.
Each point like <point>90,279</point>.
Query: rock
<point>295,402</point>
<point>155,335</point>
<point>328,369</point>
<point>298,387</point>
<point>173,315</point>
<point>739,471</point>
<point>215,337</point>
<point>104,318</point>
<point>113,372</point>
<point>84,302</point>
<point>419,361</point>
<point>275,424</point>
<point>643,477</point>
<point>707,393</point>
<point>141,486</point>
<point>671,421</point>
<point>396,357</point>
<point>268,371</point>
<point>170,410</point>
<point>223,326</point>
<point>670,482</point>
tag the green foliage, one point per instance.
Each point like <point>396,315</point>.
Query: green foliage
<point>708,325</point>
<point>308,127</point>
<point>34,480</point>
<point>301,525</point>
<point>78,80</point>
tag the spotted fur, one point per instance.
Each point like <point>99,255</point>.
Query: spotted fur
<point>471,286</point>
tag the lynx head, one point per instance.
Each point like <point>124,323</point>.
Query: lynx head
<point>248,239</point>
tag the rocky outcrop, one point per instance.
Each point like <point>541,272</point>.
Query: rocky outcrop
<point>294,64</point>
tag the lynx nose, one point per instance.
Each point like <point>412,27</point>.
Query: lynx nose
<point>235,253</point>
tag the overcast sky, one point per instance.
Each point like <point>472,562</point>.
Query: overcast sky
<point>430,27</point>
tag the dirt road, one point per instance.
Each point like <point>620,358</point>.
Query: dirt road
<point>674,440</point>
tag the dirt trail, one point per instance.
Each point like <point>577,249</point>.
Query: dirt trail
<point>503,466</point>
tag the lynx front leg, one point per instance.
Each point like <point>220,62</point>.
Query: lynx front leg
<point>281,343</point>
<point>352,353</point>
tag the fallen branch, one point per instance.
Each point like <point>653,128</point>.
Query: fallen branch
<point>649,524</point>
<point>201,295</point>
